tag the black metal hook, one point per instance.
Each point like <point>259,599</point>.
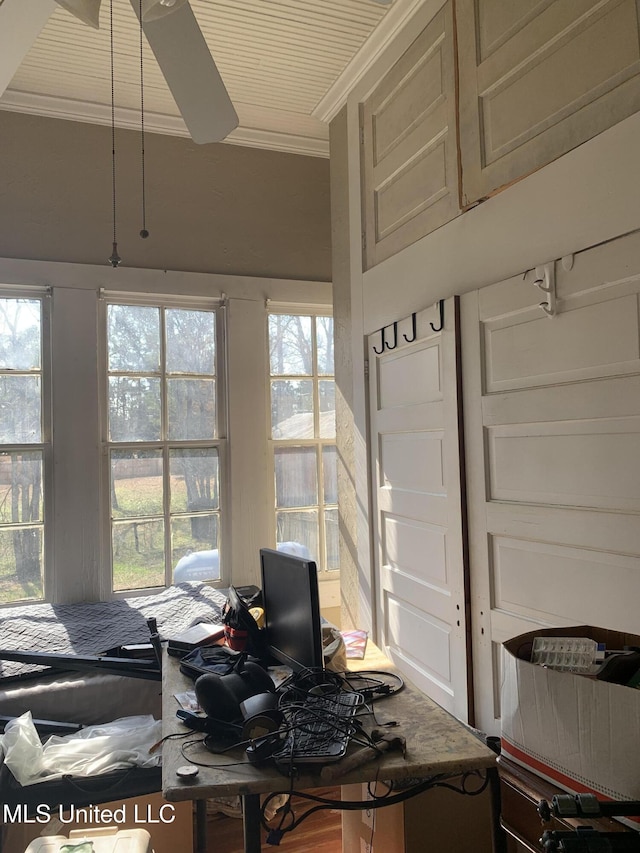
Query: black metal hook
<point>395,337</point>
<point>413,327</point>
<point>441,307</point>
<point>380,351</point>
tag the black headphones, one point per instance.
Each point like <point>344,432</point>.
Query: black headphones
<point>220,696</point>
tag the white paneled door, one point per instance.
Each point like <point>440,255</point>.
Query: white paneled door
<point>552,418</point>
<point>418,517</point>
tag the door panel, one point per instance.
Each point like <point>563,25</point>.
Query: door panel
<point>537,79</point>
<point>409,156</point>
<point>420,571</point>
<point>552,431</point>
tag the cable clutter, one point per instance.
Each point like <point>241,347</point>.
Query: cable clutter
<point>309,720</point>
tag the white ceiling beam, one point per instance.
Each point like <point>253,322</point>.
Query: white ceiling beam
<point>20,24</point>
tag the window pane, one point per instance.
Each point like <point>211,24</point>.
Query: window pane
<point>292,408</point>
<point>330,475</point>
<point>192,408</point>
<point>134,409</point>
<point>21,564</point>
<point>324,342</point>
<point>296,476</point>
<point>327,394</point>
<point>195,544</point>
<point>190,341</point>
<point>20,334</point>
<point>138,554</point>
<point>299,527</point>
<point>20,409</point>
<point>195,482</point>
<point>136,483</point>
<point>133,334</point>
<point>290,346</point>
<point>20,487</point>
<point>331,538</point>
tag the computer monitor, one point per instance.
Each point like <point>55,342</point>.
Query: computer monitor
<point>292,609</point>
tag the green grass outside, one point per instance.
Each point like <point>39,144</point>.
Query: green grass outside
<point>138,546</point>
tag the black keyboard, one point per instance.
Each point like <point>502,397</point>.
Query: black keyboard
<point>320,728</point>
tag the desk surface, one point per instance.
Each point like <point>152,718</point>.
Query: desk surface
<point>437,743</point>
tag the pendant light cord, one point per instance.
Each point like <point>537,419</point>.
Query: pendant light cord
<point>143,233</point>
<point>113,122</point>
<point>114,260</point>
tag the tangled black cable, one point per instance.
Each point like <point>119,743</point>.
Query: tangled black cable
<point>388,799</point>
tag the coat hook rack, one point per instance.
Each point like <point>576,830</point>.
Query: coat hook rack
<point>441,310</point>
<point>395,337</point>
<point>381,350</point>
<point>413,330</point>
<point>545,281</point>
<point>384,343</point>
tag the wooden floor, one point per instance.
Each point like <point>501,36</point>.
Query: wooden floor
<point>321,833</point>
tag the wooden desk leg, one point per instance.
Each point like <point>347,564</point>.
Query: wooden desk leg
<point>499,835</point>
<point>201,826</point>
<point>251,815</point>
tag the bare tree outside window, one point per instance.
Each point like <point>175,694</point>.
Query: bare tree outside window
<point>162,429</point>
<point>303,432</point>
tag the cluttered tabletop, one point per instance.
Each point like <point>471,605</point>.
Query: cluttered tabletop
<point>420,739</point>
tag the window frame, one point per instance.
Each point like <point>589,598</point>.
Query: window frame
<point>45,445</point>
<point>220,442</point>
<point>74,557</point>
<point>325,575</point>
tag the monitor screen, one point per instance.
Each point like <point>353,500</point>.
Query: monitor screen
<point>292,609</point>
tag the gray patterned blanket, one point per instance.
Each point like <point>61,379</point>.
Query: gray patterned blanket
<point>89,629</point>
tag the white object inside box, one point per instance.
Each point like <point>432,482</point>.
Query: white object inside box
<point>103,840</point>
<point>579,733</point>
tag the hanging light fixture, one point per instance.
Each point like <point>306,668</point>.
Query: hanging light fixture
<point>153,9</point>
<point>115,258</point>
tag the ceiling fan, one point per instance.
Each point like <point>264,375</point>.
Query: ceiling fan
<point>184,59</point>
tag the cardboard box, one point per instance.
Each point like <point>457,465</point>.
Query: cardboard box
<point>102,840</point>
<point>439,819</point>
<point>581,734</point>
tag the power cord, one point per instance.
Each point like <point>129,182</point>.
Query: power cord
<point>274,836</point>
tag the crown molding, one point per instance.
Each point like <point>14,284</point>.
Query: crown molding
<point>395,20</point>
<point>129,119</point>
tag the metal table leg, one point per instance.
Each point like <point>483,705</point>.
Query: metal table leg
<point>201,826</point>
<point>251,815</point>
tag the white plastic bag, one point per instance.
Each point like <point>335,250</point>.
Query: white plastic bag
<point>89,752</point>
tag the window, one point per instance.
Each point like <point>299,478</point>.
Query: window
<point>163,444</point>
<point>303,434</point>
<point>118,476</point>
<point>24,449</point>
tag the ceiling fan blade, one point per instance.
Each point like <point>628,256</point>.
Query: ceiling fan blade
<point>191,74</point>
<point>20,24</point>
<point>88,11</point>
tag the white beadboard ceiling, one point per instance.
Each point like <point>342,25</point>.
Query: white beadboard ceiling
<point>282,62</point>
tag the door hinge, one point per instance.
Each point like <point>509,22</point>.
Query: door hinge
<point>366,368</point>
<point>364,241</point>
<point>361,135</point>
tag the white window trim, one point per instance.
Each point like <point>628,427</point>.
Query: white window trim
<point>329,579</point>
<point>220,442</point>
<point>75,568</point>
<point>45,446</point>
